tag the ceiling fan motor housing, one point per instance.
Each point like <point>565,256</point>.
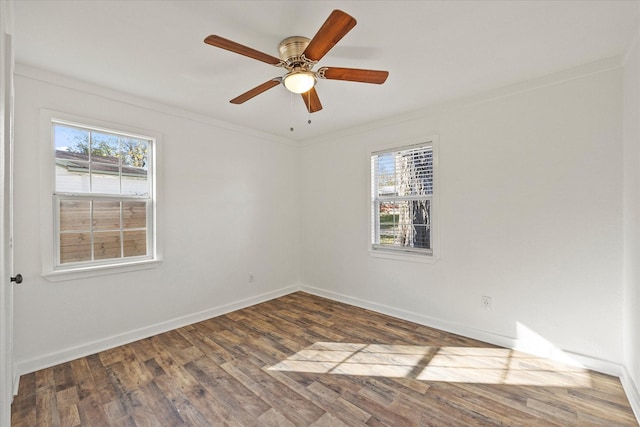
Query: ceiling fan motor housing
<point>291,50</point>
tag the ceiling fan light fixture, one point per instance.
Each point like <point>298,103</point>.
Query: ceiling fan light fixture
<point>300,81</point>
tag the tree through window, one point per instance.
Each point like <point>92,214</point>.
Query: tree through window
<point>402,193</point>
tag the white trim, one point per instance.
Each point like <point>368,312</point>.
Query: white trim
<point>16,383</point>
<point>588,362</point>
<point>8,382</point>
<point>631,390</point>
<point>420,319</point>
<point>630,387</point>
<point>98,128</point>
<point>44,361</point>
<point>100,270</point>
<point>47,210</point>
<point>399,255</point>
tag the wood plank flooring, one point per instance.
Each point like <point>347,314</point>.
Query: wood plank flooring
<point>301,360</point>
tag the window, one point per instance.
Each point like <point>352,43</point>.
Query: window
<point>103,197</point>
<point>402,199</point>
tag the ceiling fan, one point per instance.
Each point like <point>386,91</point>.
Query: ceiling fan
<point>298,55</point>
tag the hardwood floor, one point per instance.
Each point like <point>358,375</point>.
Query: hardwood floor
<point>301,360</point>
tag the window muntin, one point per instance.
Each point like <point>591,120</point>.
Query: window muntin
<point>402,187</point>
<point>102,196</point>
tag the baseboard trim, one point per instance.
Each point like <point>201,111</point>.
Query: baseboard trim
<point>631,390</point>
<point>588,362</point>
<point>31,365</point>
<point>412,317</point>
<point>16,384</point>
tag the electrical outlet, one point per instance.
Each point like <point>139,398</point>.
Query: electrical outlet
<point>486,303</point>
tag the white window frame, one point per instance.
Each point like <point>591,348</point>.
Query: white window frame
<point>398,253</point>
<point>52,270</point>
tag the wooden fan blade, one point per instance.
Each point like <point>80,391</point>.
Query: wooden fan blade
<point>311,100</point>
<point>354,75</point>
<point>232,46</point>
<point>255,91</point>
<point>337,25</point>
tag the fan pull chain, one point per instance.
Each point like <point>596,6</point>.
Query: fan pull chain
<point>309,109</point>
<point>291,108</point>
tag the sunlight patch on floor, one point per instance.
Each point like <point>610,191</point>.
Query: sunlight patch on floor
<point>501,366</point>
<point>446,364</point>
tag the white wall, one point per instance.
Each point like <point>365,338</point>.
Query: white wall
<point>229,202</point>
<point>530,214</point>
<point>631,194</point>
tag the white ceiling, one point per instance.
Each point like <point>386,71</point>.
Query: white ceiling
<point>434,51</point>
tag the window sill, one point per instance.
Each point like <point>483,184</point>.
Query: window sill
<point>99,270</point>
<point>403,256</point>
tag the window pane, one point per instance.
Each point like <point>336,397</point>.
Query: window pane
<point>405,223</point>
<point>135,243</point>
<point>134,214</point>
<point>419,224</point>
<point>135,154</point>
<point>106,245</point>
<point>71,139</point>
<point>103,180</point>
<point>105,163</point>
<point>414,170</point>
<point>389,215</point>
<point>386,174</point>
<point>134,182</point>
<point>72,176</point>
<point>72,159</point>
<point>75,215</point>
<point>105,148</point>
<point>106,215</point>
<point>75,247</point>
